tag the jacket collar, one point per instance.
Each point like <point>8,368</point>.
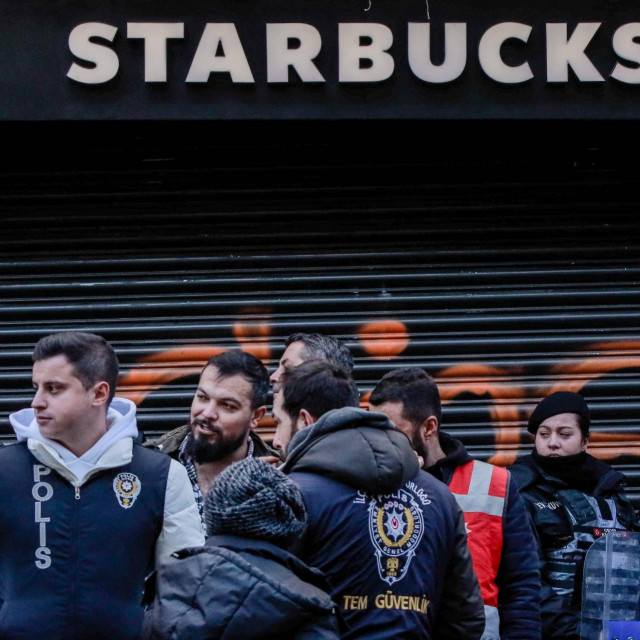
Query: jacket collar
<point>454,452</point>
<point>526,472</point>
<point>118,455</point>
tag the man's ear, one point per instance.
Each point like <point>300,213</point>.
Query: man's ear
<point>257,415</point>
<point>585,443</point>
<point>305,419</point>
<point>100,393</point>
<point>429,428</point>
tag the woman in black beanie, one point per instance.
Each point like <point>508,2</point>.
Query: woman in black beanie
<point>572,499</point>
<point>243,584</point>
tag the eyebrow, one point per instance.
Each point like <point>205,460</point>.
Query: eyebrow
<point>223,399</point>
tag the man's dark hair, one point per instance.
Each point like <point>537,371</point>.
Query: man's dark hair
<point>92,358</point>
<point>415,388</point>
<point>235,362</point>
<point>320,347</point>
<point>318,387</point>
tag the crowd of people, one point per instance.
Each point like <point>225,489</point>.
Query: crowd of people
<point>354,523</point>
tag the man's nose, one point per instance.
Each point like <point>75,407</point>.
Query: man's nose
<point>275,376</point>
<point>210,411</point>
<point>38,401</point>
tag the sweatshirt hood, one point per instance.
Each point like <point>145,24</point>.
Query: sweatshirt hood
<point>356,447</point>
<point>454,455</point>
<point>121,424</point>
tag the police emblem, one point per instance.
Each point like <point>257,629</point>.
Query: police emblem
<point>126,487</point>
<point>396,525</point>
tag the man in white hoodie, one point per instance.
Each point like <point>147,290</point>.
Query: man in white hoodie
<point>84,512</point>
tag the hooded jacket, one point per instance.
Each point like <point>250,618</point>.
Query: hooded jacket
<point>549,502</point>
<point>240,589</point>
<point>78,534</point>
<point>518,578</point>
<point>389,537</point>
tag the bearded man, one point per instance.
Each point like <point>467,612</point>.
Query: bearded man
<point>229,402</point>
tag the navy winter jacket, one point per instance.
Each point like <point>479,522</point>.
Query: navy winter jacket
<point>73,561</point>
<point>389,537</point>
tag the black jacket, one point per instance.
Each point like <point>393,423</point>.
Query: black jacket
<point>389,537</point>
<point>518,578</point>
<point>240,589</point>
<point>546,499</point>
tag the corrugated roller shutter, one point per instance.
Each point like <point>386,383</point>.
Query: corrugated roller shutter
<point>506,275</point>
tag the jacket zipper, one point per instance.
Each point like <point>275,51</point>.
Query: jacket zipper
<point>74,560</point>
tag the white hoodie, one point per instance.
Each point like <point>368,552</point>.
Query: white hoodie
<point>114,448</point>
<point>181,527</point>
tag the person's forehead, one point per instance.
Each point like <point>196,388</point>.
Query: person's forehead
<point>561,420</point>
<point>393,409</point>
<point>50,369</point>
<point>294,354</point>
<point>235,385</point>
<point>390,406</point>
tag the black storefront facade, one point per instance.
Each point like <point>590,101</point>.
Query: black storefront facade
<point>448,187</point>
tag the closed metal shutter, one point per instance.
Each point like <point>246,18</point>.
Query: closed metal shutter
<point>507,272</point>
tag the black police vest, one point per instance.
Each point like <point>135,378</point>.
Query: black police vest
<point>568,524</point>
<point>73,561</point>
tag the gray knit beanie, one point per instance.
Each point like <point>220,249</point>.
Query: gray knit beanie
<point>252,499</point>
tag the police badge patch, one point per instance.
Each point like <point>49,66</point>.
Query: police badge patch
<point>126,487</point>
<point>396,526</point>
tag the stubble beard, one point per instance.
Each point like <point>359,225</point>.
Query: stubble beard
<point>418,446</point>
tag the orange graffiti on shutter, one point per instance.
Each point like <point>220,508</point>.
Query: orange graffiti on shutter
<point>163,367</point>
<point>254,338</point>
<point>384,339</point>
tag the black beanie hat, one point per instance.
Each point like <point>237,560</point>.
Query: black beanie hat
<point>560,402</point>
<point>252,499</point>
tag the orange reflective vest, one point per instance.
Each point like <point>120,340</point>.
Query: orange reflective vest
<point>481,489</point>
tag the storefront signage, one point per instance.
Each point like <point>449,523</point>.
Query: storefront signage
<point>296,45</point>
<point>261,59</point>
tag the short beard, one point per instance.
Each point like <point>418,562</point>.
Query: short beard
<point>285,452</point>
<point>418,445</point>
<point>202,450</point>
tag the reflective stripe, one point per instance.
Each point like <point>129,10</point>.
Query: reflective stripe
<point>480,478</point>
<point>492,623</point>
<point>491,505</point>
<point>478,500</point>
<point>471,485</point>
